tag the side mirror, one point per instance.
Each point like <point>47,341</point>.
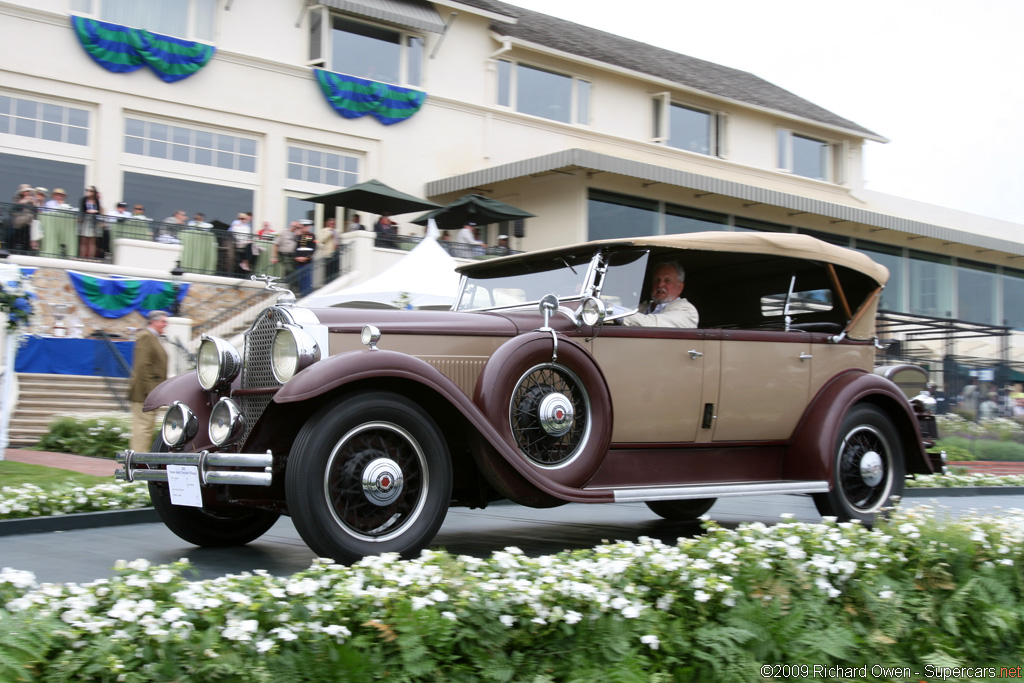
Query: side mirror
<point>548,306</point>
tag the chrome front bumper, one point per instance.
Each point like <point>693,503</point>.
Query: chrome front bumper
<point>205,461</point>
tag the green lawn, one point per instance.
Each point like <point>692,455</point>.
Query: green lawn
<point>19,473</point>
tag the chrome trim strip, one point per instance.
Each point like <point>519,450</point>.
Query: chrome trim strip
<point>646,493</point>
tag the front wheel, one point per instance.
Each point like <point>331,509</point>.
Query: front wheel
<point>681,510</point>
<point>369,474</point>
<point>868,467</point>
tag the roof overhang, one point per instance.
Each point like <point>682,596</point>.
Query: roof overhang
<point>415,14</point>
<point>582,159</point>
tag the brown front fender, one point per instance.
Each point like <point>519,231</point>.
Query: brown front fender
<point>810,453</point>
<point>358,366</point>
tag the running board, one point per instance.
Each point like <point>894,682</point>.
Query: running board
<point>647,493</point>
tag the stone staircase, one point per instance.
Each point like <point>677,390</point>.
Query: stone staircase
<point>41,397</point>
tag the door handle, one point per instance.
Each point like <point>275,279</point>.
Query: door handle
<point>695,354</point>
<point>805,356</point>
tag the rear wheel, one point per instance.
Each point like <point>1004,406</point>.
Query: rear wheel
<point>868,467</point>
<point>681,510</point>
<point>369,474</point>
<point>208,527</point>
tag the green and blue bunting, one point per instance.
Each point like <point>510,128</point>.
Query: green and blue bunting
<point>116,297</point>
<point>122,49</point>
<point>354,97</point>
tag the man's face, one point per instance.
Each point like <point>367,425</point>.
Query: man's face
<point>665,286</point>
<point>159,324</point>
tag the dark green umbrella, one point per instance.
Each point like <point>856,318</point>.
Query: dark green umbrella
<point>373,196</point>
<point>472,208</point>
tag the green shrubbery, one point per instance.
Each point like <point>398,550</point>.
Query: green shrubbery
<point>1001,439</point>
<point>100,435</point>
<point>917,595</point>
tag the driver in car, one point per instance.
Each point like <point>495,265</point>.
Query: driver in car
<point>666,307</point>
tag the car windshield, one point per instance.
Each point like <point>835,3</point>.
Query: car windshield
<point>523,283</point>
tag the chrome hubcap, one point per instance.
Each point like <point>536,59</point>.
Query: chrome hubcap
<point>382,481</point>
<point>556,414</point>
<point>871,469</point>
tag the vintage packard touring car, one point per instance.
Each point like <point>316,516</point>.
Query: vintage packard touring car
<point>366,425</point>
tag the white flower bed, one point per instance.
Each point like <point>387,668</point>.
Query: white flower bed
<point>648,587</point>
<point>964,480</point>
<point>29,500</point>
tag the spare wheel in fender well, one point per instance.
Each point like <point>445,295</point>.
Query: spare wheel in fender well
<point>556,414</point>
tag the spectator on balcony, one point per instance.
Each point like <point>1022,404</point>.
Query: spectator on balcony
<point>327,251</point>
<point>284,249</point>
<point>468,235</point>
<point>241,229</point>
<point>199,221</point>
<point>502,247</point>
<point>21,218</point>
<point>386,231</point>
<point>90,223</point>
<point>139,213</point>
<point>58,200</point>
<point>171,225</point>
<point>355,224</point>
<point>121,213</point>
<point>305,247</point>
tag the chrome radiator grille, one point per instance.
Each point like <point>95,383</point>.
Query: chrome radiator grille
<point>256,370</point>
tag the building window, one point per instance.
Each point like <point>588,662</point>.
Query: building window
<point>679,219</point>
<point>540,92</point>
<point>326,168</point>
<point>193,19</point>
<point>810,157</point>
<point>831,238</point>
<point>685,127</point>
<point>32,119</point>
<point>189,145</point>
<point>162,196</point>
<point>366,50</point>
<point>612,215</point>
<point>976,292</point>
<point>893,259</point>
<point>1013,298</point>
<point>931,285</point>
<point>742,224</point>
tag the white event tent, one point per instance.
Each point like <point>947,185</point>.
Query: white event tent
<point>425,277</point>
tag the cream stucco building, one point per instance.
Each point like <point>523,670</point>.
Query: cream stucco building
<point>597,135</point>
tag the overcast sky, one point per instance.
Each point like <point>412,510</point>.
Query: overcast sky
<point>943,80</point>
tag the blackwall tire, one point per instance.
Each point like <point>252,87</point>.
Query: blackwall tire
<point>681,510</point>
<point>209,527</point>
<point>369,474</point>
<point>513,388</point>
<point>868,467</point>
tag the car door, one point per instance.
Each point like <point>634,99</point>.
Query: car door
<point>764,379</point>
<point>656,380</point>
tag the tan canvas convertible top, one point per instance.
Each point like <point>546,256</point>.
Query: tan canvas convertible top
<point>772,243</point>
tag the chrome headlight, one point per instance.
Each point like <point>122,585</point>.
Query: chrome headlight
<point>226,423</point>
<point>593,311</point>
<point>292,350</point>
<point>180,425</point>
<point>218,363</point>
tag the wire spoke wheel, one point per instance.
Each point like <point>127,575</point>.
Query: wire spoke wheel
<point>868,467</point>
<point>865,468</point>
<point>550,415</point>
<point>376,480</point>
<point>369,473</point>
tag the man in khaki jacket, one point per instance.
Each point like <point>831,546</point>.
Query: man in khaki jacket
<point>149,368</point>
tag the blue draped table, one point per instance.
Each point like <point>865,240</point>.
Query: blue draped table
<point>64,356</point>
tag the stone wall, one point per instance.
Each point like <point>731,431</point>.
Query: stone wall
<point>205,300</point>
